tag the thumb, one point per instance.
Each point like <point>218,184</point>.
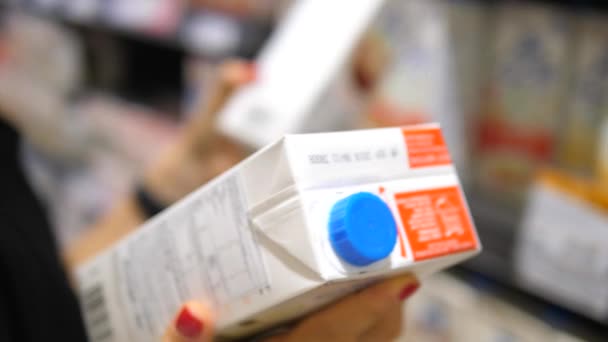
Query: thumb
<point>193,323</point>
<point>232,75</point>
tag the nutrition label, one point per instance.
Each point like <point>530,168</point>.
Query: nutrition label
<point>436,222</point>
<point>202,249</point>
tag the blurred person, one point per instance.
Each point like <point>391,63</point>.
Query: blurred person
<point>37,302</point>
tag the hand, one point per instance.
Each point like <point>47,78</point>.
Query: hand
<point>200,153</point>
<point>374,314</point>
<point>193,323</point>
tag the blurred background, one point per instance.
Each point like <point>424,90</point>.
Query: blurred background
<point>520,88</point>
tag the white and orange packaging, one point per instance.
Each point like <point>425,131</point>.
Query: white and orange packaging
<point>299,224</point>
<point>524,94</point>
<point>579,137</point>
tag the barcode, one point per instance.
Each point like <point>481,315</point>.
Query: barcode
<point>96,315</point>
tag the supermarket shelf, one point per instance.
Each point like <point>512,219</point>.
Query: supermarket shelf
<point>556,316</point>
<point>497,229</point>
<point>199,32</point>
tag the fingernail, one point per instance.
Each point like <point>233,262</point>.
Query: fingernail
<point>408,291</point>
<point>188,325</point>
<point>251,72</point>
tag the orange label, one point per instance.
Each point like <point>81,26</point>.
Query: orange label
<point>436,222</point>
<point>426,147</point>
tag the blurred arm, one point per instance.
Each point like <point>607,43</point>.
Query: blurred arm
<point>198,155</point>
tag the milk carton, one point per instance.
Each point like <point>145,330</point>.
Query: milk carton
<point>523,98</point>
<point>587,102</point>
<point>299,224</point>
<point>305,79</point>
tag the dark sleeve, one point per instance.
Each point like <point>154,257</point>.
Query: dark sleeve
<point>5,320</point>
<point>36,302</point>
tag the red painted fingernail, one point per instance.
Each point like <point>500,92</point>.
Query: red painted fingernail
<point>408,291</point>
<point>188,325</point>
<point>251,72</point>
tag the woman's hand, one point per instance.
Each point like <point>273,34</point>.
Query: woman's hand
<point>200,153</point>
<point>193,323</point>
<point>374,314</point>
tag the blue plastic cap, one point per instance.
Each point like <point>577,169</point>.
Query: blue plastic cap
<point>362,229</point>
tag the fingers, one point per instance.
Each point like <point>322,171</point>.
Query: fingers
<point>361,311</point>
<point>193,323</point>
<point>388,328</point>
<point>232,75</point>
<point>200,153</point>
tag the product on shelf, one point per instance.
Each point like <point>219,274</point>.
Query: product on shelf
<point>212,34</point>
<point>601,191</point>
<point>158,18</point>
<point>560,253</point>
<point>242,8</point>
<point>43,6</point>
<point>301,223</point>
<point>587,100</point>
<point>523,98</point>
<point>468,27</point>
<point>82,10</point>
<point>565,265</point>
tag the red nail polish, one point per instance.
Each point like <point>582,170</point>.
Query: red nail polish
<point>188,325</point>
<point>408,291</point>
<point>251,72</point>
